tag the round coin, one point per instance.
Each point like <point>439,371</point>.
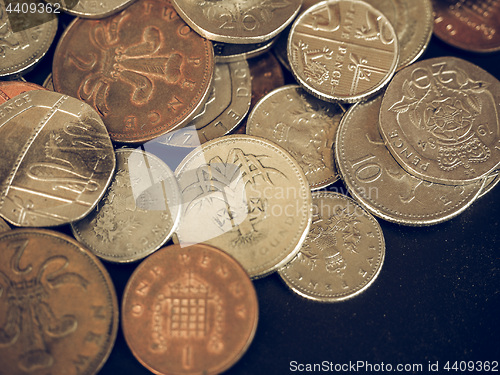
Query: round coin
<point>188,311</point>
<point>302,125</point>
<point>9,89</point>
<point>91,8</point>
<point>228,52</point>
<point>25,38</point>
<point>469,25</point>
<point>138,213</point>
<point>491,181</point>
<point>385,189</point>
<point>144,70</point>
<point>246,196</point>
<point>58,307</point>
<point>342,254</point>
<point>440,120</point>
<point>238,22</point>
<point>57,159</point>
<point>342,50</point>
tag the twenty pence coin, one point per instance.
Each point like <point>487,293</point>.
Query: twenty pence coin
<point>440,120</point>
<point>189,310</point>
<point>138,213</point>
<point>246,196</point>
<point>58,306</point>
<point>342,254</point>
<point>92,8</point>
<point>381,186</point>
<point>144,70</point>
<point>342,50</point>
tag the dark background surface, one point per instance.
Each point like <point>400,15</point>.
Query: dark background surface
<point>436,298</point>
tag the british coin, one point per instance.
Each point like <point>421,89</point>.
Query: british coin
<point>9,89</point>
<point>144,70</point>
<point>91,8</point>
<point>57,159</point>
<point>138,213</point>
<point>342,50</point>
<point>189,310</point>
<point>3,225</point>
<point>440,120</point>
<point>58,309</point>
<point>469,25</point>
<point>226,106</point>
<point>342,255</point>
<point>48,83</point>
<point>381,186</point>
<point>24,45</point>
<point>302,125</point>
<point>228,52</point>
<point>240,22</point>
<point>413,22</point>
<point>246,196</point>
<point>491,181</point>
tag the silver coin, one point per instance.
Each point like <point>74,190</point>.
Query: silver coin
<point>229,52</point>
<point>48,83</point>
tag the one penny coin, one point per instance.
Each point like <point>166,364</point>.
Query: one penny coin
<point>189,310</point>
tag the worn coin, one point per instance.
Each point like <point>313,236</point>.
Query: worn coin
<point>302,125</point>
<point>58,307</point>
<point>138,213</point>
<point>226,106</point>
<point>342,254</point>
<point>239,22</point>
<point>440,120</point>
<point>246,196</point>
<point>469,25</point>
<point>385,189</point>
<point>23,47</point>
<point>228,52</point>
<point>189,310</point>
<point>57,159</point>
<point>91,8</point>
<point>9,89</point>
<point>144,70</point>
<point>342,50</point>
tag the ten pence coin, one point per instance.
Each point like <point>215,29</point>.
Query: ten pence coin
<point>91,8</point>
<point>342,254</point>
<point>247,196</point>
<point>342,50</point>
<point>58,307</point>
<point>189,310</point>
<point>440,120</point>
<point>144,70</point>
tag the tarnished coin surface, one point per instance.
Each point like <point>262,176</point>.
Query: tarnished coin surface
<point>239,22</point>
<point>189,310</point>
<point>385,189</point>
<point>144,70</point>
<point>91,8</point>
<point>440,120</point>
<point>343,252</point>
<point>472,25</point>
<point>228,52</point>
<point>413,22</point>
<point>57,159</point>
<point>246,196</point>
<point>304,126</point>
<point>138,213</point>
<point>9,89</point>
<point>22,48</point>
<point>226,106</point>
<point>342,50</point>
<point>58,307</point>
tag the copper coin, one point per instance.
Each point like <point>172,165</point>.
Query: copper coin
<point>58,307</point>
<point>9,89</point>
<point>469,25</point>
<point>144,70</point>
<point>189,310</point>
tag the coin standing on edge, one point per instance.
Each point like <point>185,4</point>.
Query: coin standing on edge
<point>246,196</point>
<point>138,213</point>
<point>342,50</point>
<point>57,159</point>
<point>304,126</point>
<point>92,8</point>
<point>58,307</point>
<point>342,254</point>
<point>440,120</point>
<point>379,183</point>
<point>189,310</point>
<point>144,70</point>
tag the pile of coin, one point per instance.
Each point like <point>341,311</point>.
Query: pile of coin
<point>154,128</point>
